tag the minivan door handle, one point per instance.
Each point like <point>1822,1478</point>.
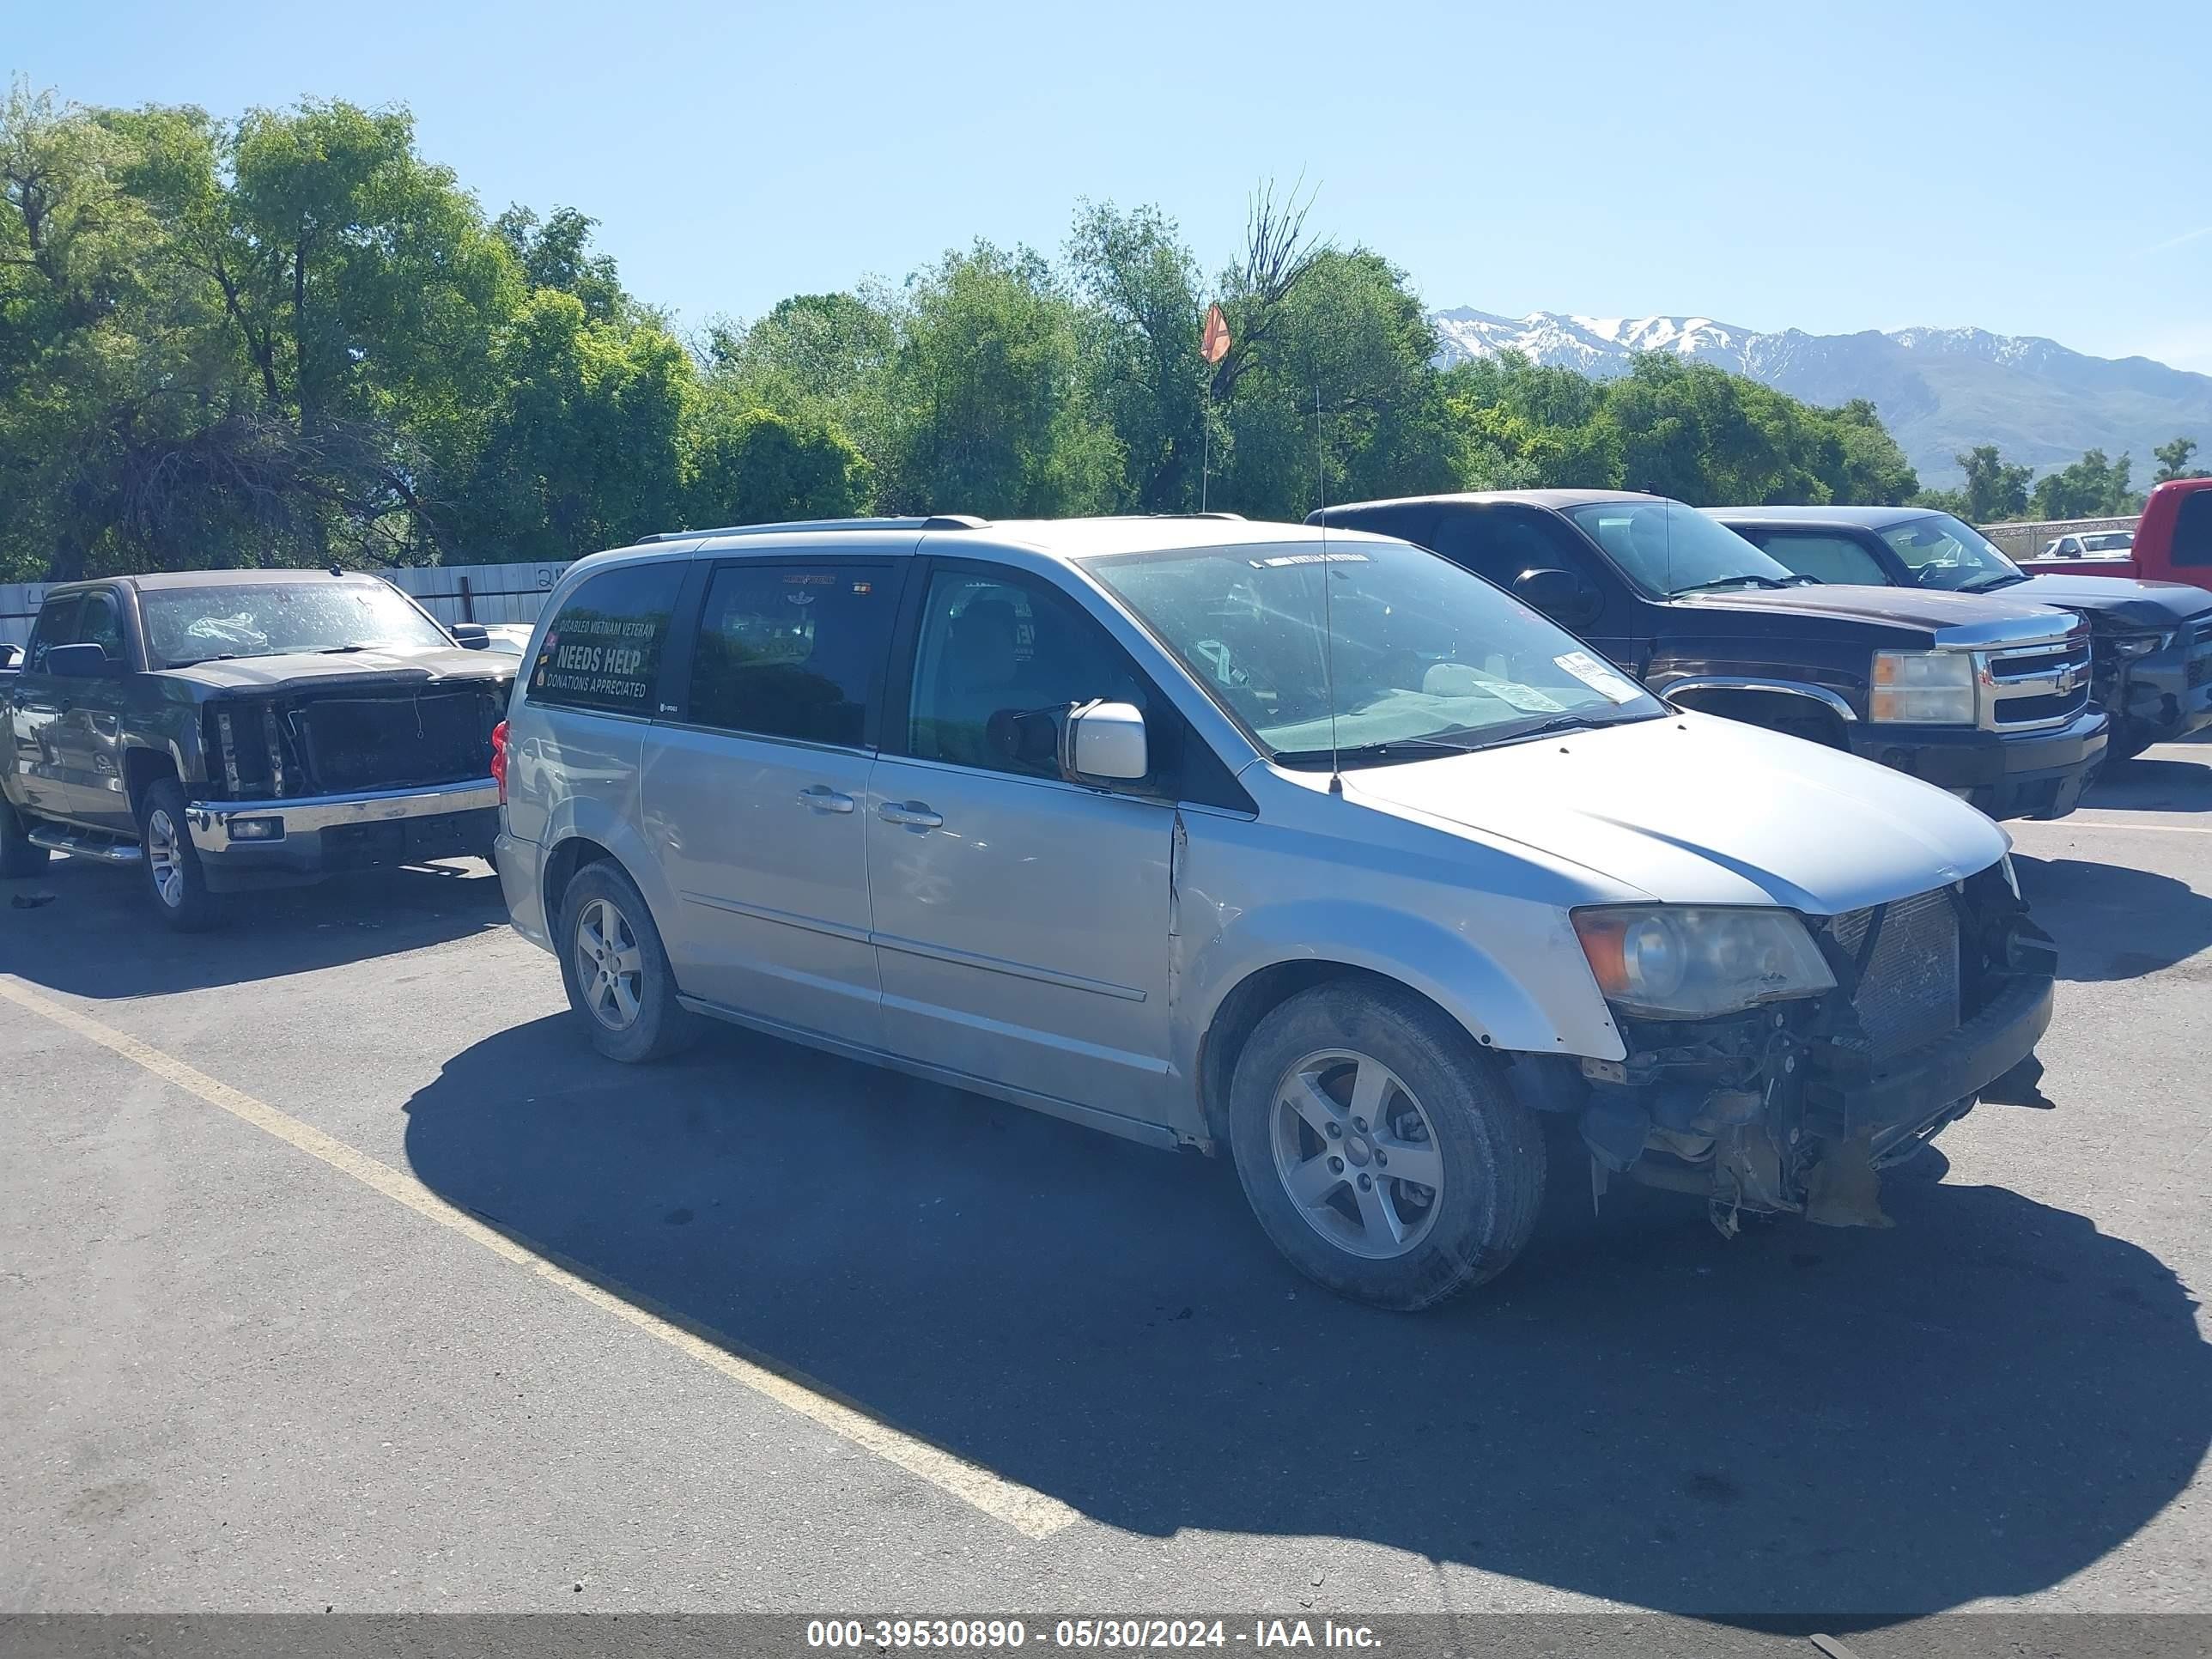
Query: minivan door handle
<point>823,799</point>
<point>911,812</point>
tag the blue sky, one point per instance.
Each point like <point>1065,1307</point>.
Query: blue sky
<point>2028,166</point>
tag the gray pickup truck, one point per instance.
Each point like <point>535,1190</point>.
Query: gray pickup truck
<point>230,729</point>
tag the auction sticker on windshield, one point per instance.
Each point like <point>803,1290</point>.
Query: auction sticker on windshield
<point>1599,677</point>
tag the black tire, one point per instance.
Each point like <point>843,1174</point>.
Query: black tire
<point>2125,745</point>
<point>660,1026</point>
<point>175,882</point>
<point>18,857</point>
<point>1487,1145</point>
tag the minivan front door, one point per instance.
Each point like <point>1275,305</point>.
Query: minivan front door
<point>754,795</point>
<point>1021,921</point>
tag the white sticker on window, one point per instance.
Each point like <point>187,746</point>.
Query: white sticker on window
<point>1599,677</point>
<point>1525,698</point>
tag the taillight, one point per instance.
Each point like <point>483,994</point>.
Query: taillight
<point>499,759</point>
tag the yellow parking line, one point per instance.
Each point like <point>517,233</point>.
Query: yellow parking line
<point>1031,1513</point>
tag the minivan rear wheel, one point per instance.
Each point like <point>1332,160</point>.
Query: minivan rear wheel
<point>617,969</point>
<point>1381,1148</point>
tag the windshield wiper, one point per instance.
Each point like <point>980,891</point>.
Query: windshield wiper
<point>339,650</point>
<point>1389,749</point>
<point>194,662</point>
<point>1991,583</point>
<point>1725,581</point>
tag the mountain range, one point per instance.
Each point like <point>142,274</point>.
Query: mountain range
<point>1939,390</point>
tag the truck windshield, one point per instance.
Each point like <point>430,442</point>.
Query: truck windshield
<point>2108,543</point>
<point>267,619</point>
<point>1669,548</point>
<point>1416,655</point>
<point>1942,552</point>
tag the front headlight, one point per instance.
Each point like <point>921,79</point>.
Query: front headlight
<point>1922,688</point>
<point>2141,645</point>
<point>1680,962</point>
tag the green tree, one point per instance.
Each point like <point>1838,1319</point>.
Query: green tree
<point>1142,285</point>
<point>1996,489</point>
<point>754,466</point>
<point>2173,461</point>
<point>988,406</point>
<point>2091,488</point>
<point>1349,346</point>
<point>555,252</point>
<point>826,355</point>
<point>582,448</point>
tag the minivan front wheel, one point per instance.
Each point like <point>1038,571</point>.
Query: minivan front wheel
<point>1381,1150</point>
<point>616,971</point>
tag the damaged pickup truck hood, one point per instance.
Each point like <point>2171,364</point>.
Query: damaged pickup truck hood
<point>2118,600</point>
<point>385,666</point>
<point>1691,808</point>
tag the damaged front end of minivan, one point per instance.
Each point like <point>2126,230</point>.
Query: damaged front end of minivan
<point>1778,1063</point>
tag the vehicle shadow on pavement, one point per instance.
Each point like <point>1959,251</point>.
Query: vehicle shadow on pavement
<point>2113,921</point>
<point>1980,1402</point>
<point>88,931</point>
<point>2152,783</point>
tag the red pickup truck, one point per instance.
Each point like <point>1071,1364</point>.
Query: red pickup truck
<point>2173,541</point>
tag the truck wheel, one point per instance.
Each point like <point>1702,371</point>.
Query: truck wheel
<point>174,879</point>
<point>18,857</point>
<point>1381,1150</point>
<point>616,971</point>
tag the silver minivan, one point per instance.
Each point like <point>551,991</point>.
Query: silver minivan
<point>1303,845</point>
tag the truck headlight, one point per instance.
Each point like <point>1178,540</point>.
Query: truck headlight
<point>1682,962</point>
<point>2141,645</point>
<point>1922,688</point>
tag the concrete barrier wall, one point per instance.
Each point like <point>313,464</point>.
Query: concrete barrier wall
<point>450,592</point>
<point>2027,541</point>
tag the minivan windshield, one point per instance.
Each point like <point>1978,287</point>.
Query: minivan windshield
<point>1945,552</point>
<point>1417,656</point>
<point>265,619</point>
<point>1669,548</point>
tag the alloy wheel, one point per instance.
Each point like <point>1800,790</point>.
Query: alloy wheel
<point>164,857</point>
<point>1357,1153</point>
<point>609,968</point>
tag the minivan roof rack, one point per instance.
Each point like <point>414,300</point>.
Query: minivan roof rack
<point>934,521</point>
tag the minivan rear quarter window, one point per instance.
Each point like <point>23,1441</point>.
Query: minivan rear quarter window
<point>603,651</point>
<point>792,651</point>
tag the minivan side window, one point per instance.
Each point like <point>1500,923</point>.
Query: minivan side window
<point>994,647</point>
<point>792,651</point>
<point>57,625</point>
<point>603,651</point>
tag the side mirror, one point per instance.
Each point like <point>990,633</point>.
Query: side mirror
<point>82,662</point>
<point>471,636</point>
<point>1559,594</point>
<point>1105,742</point>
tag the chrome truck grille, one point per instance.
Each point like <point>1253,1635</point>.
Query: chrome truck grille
<point>1908,991</point>
<point>2038,685</point>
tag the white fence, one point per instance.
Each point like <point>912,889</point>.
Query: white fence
<point>450,592</point>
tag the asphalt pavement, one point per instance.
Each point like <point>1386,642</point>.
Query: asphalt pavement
<point>337,1271</point>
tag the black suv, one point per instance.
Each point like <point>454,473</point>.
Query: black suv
<point>2152,668</point>
<point>1986,697</point>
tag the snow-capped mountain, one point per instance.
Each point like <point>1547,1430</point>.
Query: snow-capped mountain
<point>1939,390</point>
<point>1589,345</point>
